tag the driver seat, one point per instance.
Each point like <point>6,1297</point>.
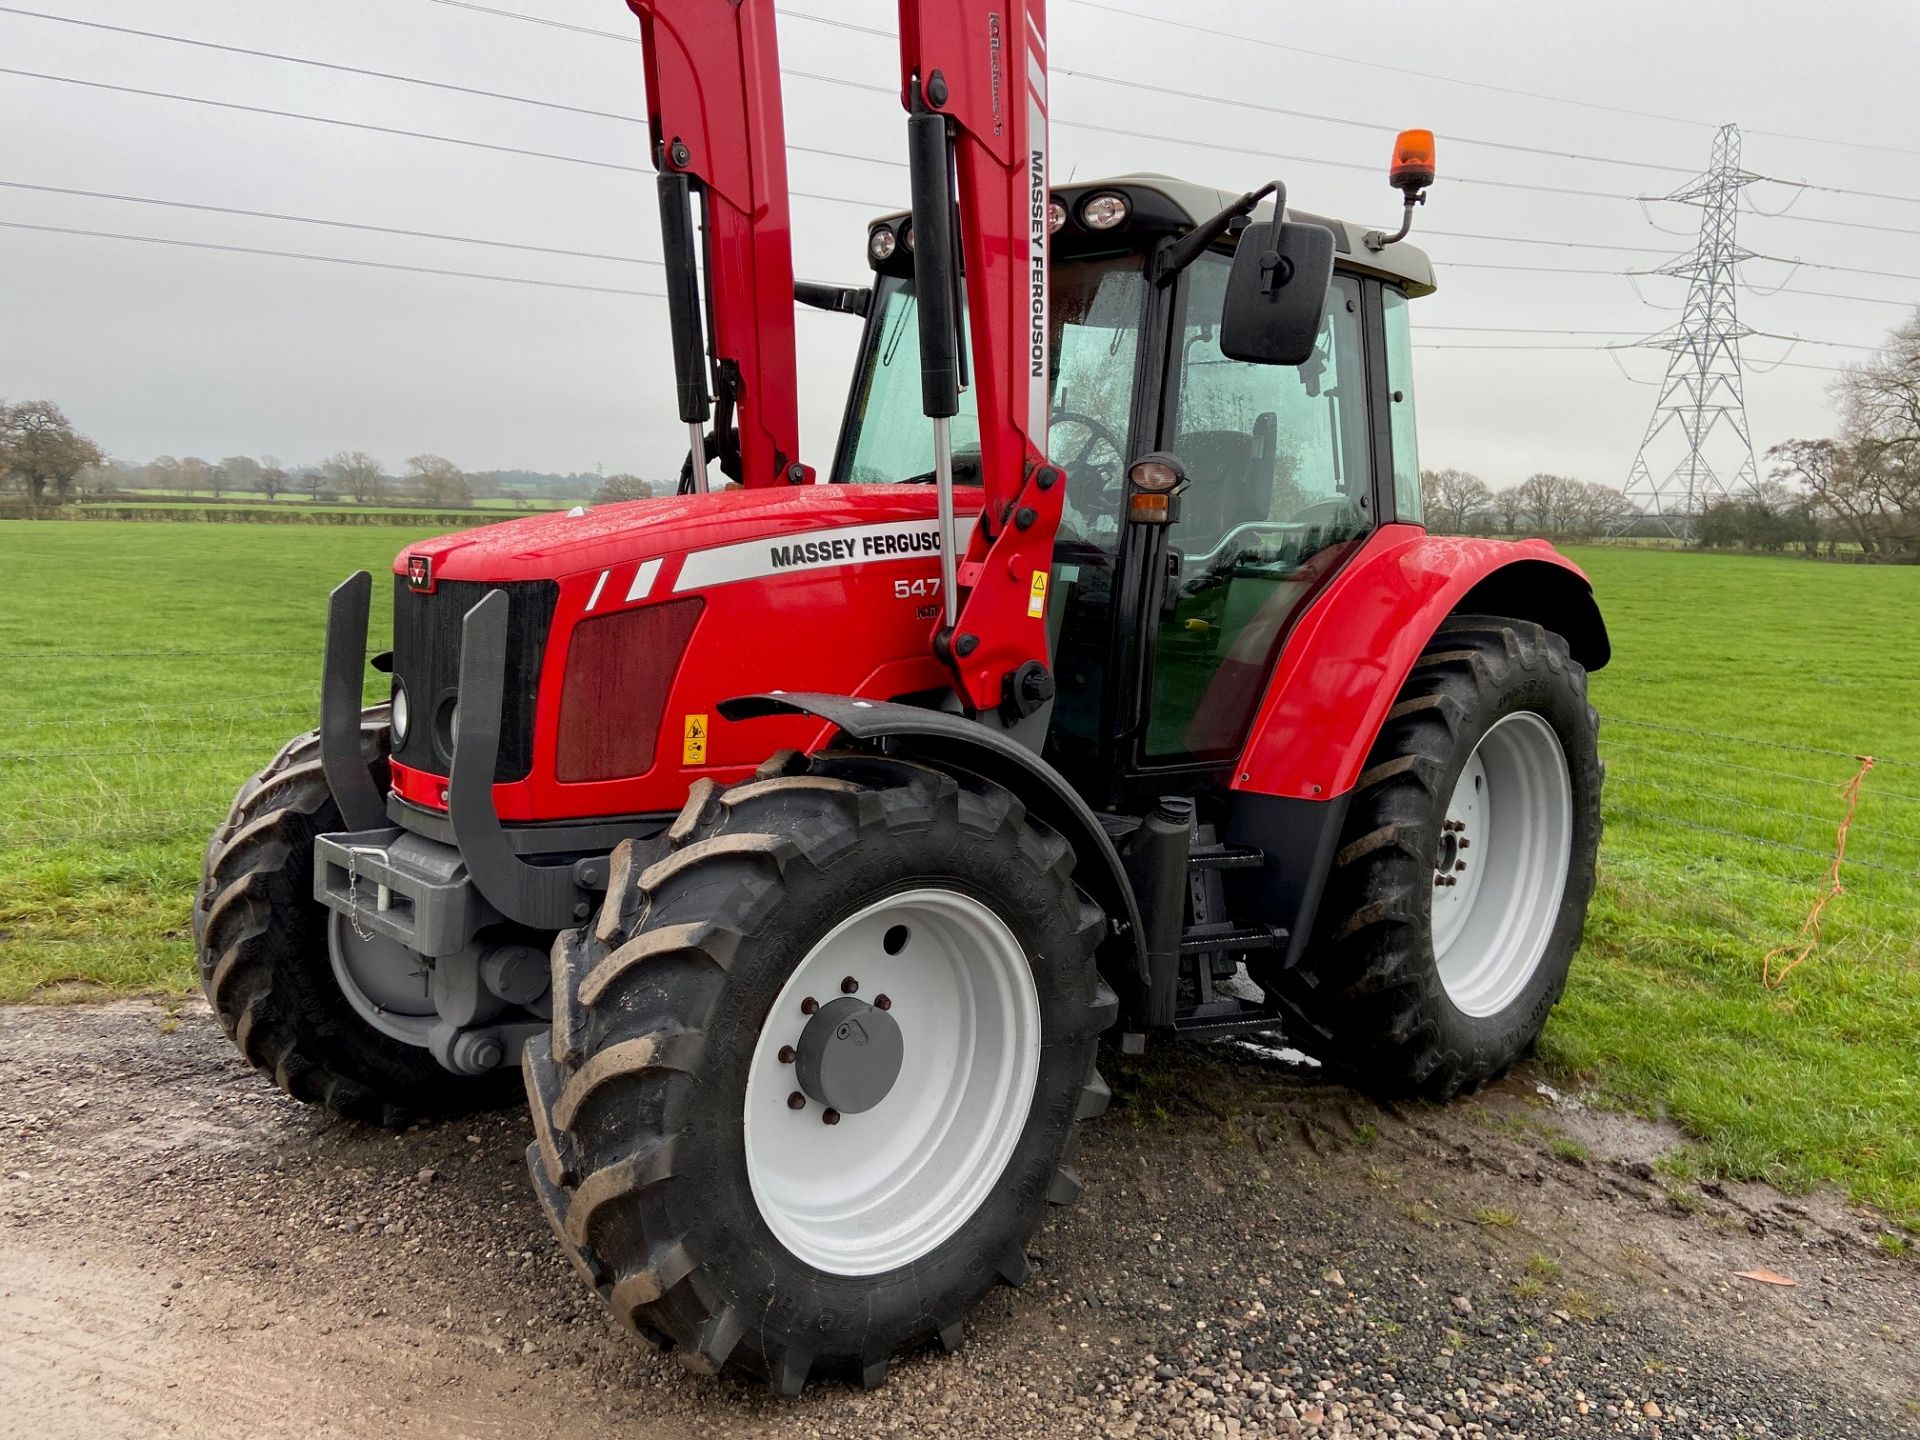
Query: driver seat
<point>1225,486</point>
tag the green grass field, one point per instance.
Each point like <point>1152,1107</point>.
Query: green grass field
<point>151,667</point>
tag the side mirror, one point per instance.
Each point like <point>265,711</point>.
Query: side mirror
<point>1277,293</point>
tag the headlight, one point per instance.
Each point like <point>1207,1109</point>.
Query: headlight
<point>1056,216</point>
<point>880,243</point>
<point>1103,212</point>
<point>402,714</point>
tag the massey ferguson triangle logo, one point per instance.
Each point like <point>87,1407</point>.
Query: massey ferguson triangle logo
<point>420,574</point>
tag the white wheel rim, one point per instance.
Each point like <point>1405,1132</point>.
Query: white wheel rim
<point>1502,867</point>
<point>882,1188</point>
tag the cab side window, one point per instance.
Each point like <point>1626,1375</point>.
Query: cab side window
<point>1279,491</point>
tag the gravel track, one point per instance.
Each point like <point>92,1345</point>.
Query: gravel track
<point>184,1251</point>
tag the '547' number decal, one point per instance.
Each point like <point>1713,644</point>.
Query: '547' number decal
<point>916,589</point>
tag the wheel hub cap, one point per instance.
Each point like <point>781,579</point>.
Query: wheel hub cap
<point>849,1056</point>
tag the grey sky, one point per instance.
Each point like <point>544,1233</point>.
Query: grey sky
<point>160,350</point>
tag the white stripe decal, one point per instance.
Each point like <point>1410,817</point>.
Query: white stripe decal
<point>813,550</point>
<point>598,586</point>
<point>1034,30</point>
<point>643,579</point>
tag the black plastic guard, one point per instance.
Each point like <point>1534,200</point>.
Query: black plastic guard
<point>361,805</point>
<point>541,896</point>
<point>955,742</point>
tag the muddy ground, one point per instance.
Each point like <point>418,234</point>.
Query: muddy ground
<point>184,1251</point>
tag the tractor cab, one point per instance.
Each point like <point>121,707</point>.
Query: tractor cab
<point>1164,620</point>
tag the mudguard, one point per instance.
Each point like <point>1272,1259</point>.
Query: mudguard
<point>945,740</point>
<point>1353,649</point>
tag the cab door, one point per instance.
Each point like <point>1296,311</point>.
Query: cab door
<point>1281,490</point>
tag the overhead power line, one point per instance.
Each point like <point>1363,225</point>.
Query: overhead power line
<point>330,224</point>
<point>1262,40</point>
<point>633,39</point>
<point>871,205</point>
<point>328,259</point>
<point>1121,81</point>
<point>327,65</point>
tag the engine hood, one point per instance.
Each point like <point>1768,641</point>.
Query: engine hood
<point>552,547</point>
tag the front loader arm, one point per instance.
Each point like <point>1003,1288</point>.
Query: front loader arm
<point>982,65</point>
<point>713,103</point>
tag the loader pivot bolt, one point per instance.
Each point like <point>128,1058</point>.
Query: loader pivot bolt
<point>966,645</point>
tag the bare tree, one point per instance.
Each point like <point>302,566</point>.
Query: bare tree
<point>193,473</point>
<point>1598,509</point>
<point>622,487</point>
<point>41,452</point>
<point>315,482</point>
<point>1510,504</point>
<point>242,472</point>
<point>273,476</point>
<point>438,480</point>
<point>1829,472</point>
<point>355,473</point>
<point>1452,499</point>
<point>1548,502</point>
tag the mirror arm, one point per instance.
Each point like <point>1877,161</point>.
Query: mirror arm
<point>1191,246</point>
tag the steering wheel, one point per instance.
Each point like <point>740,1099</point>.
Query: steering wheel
<point>1098,435</point>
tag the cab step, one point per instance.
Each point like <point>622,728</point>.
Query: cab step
<point>1206,939</point>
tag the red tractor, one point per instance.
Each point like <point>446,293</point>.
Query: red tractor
<point>796,841</point>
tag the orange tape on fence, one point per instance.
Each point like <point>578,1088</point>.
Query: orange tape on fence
<point>1809,937</point>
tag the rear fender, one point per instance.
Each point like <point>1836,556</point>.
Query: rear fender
<point>1356,644</point>
<point>953,742</point>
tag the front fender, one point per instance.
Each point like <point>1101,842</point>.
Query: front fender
<point>1346,659</point>
<point>949,742</point>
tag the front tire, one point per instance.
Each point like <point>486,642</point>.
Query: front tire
<point>1465,867</point>
<point>265,962</point>
<point>744,1231</point>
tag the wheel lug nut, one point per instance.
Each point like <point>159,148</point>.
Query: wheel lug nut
<point>796,1101</point>
<point>786,1054</point>
<point>809,1005</point>
<point>830,1117</point>
<point>1438,881</point>
<point>1465,843</point>
<point>849,985</point>
<point>882,1002</point>
<point>1459,864</point>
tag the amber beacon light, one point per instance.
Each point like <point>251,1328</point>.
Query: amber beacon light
<point>1411,173</point>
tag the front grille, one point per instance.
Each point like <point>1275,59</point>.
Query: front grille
<point>426,656</point>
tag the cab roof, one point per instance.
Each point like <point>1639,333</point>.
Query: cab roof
<point>1165,202</point>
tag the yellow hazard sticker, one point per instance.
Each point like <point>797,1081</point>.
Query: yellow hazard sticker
<point>693,746</point>
<point>1037,596</point>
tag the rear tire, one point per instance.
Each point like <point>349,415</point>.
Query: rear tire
<point>1433,964</point>
<point>668,1011</point>
<point>265,964</point>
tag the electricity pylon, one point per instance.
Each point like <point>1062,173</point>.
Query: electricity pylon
<point>1697,436</point>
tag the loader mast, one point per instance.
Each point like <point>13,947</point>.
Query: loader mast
<point>974,81</point>
<point>713,106</point>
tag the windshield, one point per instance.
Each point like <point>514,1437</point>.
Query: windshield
<point>1095,346</point>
